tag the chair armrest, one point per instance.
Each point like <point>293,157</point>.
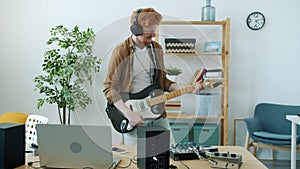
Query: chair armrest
<point>253,124</point>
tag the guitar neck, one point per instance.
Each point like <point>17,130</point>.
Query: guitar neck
<point>168,96</point>
<point>162,98</point>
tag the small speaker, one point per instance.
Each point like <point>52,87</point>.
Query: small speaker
<point>12,145</point>
<point>153,147</point>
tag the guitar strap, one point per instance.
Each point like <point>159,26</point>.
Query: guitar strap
<point>154,60</point>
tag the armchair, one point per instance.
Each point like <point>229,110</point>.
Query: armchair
<point>13,117</point>
<point>269,127</point>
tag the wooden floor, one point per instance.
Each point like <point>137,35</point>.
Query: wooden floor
<point>279,164</point>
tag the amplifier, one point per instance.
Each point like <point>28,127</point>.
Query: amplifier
<point>12,145</point>
<point>153,146</point>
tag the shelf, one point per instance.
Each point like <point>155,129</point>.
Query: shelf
<point>191,116</point>
<point>193,22</point>
<point>225,39</point>
<point>193,54</point>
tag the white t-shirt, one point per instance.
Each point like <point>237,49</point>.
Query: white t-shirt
<point>142,70</point>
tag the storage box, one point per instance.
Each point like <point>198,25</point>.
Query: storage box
<point>180,45</point>
<point>188,103</point>
<point>206,135</point>
<point>208,104</point>
<point>180,132</point>
<point>12,145</point>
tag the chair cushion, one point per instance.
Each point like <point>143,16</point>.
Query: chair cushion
<point>273,136</point>
<point>13,117</point>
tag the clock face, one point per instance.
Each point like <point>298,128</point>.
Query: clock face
<point>256,20</point>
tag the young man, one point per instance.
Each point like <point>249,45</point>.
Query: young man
<point>135,64</point>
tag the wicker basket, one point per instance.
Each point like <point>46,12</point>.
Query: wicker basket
<point>186,45</point>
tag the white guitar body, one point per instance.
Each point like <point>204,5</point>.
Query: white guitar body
<point>141,107</point>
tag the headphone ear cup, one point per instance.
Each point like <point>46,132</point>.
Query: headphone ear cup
<point>136,29</point>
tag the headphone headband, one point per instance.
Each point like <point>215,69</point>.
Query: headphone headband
<point>135,20</point>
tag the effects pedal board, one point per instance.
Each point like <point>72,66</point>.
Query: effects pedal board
<point>226,157</point>
<point>189,151</point>
<point>177,156</point>
<point>184,151</point>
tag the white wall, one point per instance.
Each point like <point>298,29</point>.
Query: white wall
<point>263,64</point>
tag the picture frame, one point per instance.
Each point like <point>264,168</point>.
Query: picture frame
<point>213,47</point>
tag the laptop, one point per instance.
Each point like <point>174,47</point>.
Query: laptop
<point>75,146</point>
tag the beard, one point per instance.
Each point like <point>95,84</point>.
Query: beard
<point>148,40</point>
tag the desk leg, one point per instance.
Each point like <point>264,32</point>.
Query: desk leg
<point>293,147</point>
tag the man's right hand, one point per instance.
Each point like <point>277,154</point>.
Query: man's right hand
<point>134,119</point>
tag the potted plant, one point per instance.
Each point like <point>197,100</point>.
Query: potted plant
<point>173,72</point>
<point>69,62</point>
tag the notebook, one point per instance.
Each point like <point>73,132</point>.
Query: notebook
<point>75,146</point>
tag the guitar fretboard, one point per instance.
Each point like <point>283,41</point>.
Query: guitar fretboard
<point>162,98</point>
<point>168,96</point>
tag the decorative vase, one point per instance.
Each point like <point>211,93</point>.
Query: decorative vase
<point>208,12</point>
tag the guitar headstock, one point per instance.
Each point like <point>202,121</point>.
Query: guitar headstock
<point>208,83</point>
<point>213,83</point>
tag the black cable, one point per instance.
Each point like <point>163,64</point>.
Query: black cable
<point>122,130</point>
<point>30,164</point>
<point>117,166</point>
<point>173,166</point>
<point>131,161</point>
<point>111,166</point>
<point>134,160</point>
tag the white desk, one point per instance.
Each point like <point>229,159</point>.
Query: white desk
<point>295,121</point>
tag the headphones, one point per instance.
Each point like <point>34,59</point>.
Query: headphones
<point>136,28</point>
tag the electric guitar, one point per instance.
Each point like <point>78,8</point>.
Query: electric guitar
<point>149,103</point>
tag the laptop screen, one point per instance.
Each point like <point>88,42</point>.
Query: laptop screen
<point>74,146</point>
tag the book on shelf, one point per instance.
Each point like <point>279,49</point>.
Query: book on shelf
<point>204,73</point>
<point>198,75</point>
<point>173,111</point>
<point>173,107</point>
<point>173,103</point>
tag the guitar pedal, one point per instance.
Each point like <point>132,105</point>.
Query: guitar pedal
<point>226,158</point>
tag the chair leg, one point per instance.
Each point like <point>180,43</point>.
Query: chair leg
<point>254,151</point>
<point>247,140</point>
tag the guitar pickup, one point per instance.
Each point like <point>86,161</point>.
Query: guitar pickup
<point>137,105</point>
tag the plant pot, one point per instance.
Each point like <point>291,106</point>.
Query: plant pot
<point>173,78</point>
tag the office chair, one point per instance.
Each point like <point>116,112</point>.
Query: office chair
<point>30,128</point>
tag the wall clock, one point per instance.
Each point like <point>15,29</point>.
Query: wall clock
<point>256,20</point>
